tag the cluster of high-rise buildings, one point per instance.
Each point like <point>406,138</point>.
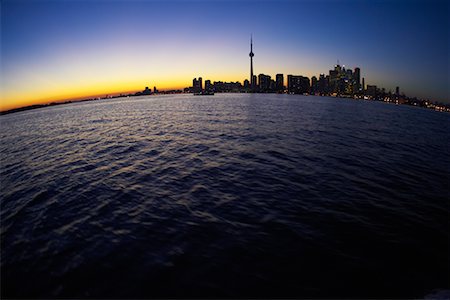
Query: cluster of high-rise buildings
<point>216,86</point>
<point>340,81</point>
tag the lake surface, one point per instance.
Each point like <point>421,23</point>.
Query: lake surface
<point>231,195</point>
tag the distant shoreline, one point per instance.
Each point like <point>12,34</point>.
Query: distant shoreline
<point>35,106</point>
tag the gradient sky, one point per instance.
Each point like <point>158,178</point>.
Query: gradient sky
<point>54,50</point>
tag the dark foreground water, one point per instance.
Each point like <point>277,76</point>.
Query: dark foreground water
<point>225,196</point>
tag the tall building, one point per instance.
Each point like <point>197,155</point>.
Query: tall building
<point>323,84</point>
<point>357,79</point>
<point>298,84</point>
<point>273,85</point>
<point>349,73</point>
<point>397,91</point>
<point>264,82</point>
<point>208,85</point>
<point>371,90</point>
<point>279,82</point>
<point>334,80</point>
<point>197,85</point>
<point>147,91</point>
<point>251,54</point>
<point>253,83</point>
<point>314,85</point>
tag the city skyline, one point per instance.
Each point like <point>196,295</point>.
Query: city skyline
<point>101,48</point>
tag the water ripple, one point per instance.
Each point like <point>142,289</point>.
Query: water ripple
<point>227,196</point>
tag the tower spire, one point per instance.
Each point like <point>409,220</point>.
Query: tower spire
<point>252,82</point>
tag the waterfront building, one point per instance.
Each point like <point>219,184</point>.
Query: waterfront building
<point>357,80</point>
<point>323,84</point>
<point>197,85</point>
<point>371,90</point>
<point>264,82</point>
<point>208,85</point>
<point>334,78</point>
<point>221,87</point>
<point>298,84</point>
<point>272,86</point>
<point>279,85</point>
<point>147,91</point>
<point>314,85</point>
<point>348,73</point>
<point>254,82</point>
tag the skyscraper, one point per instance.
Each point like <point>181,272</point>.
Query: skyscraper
<point>264,82</point>
<point>208,86</point>
<point>314,85</point>
<point>357,79</point>
<point>280,82</point>
<point>371,90</point>
<point>253,82</point>
<point>197,85</point>
<point>297,84</point>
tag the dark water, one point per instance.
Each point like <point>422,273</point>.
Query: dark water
<point>225,196</point>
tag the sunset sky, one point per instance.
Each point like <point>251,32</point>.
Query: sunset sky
<point>55,50</point>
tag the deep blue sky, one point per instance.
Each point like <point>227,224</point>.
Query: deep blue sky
<point>57,46</point>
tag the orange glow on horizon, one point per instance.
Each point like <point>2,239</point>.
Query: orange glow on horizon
<point>18,100</point>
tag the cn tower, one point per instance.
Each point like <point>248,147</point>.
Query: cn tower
<point>252,84</point>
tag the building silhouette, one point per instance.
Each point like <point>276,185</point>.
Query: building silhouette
<point>371,91</point>
<point>357,80</point>
<point>298,84</point>
<point>147,91</point>
<point>208,85</point>
<point>264,82</point>
<point>279,85</point>
<point>197,85</point>
<point>314,85</point>
<point>253,83</point>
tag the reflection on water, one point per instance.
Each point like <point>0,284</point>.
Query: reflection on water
<point>224,196</point>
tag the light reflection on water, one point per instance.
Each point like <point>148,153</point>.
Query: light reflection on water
<point>224,196</point>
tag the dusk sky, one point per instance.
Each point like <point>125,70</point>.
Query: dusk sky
<point>55,50</point>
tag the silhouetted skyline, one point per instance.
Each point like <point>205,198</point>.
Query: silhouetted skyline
<point>63,50</point>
